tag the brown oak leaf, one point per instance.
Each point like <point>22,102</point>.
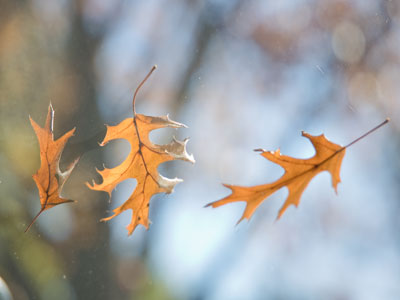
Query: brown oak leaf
<point>298,174</point>
<point>141,163</point>
<point>49,178</point>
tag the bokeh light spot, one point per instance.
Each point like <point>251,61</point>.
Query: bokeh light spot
<point>348,42</point>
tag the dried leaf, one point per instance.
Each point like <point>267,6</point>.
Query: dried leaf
<point>298,174</point>
<point>141,163</point>
<point>49,178</point>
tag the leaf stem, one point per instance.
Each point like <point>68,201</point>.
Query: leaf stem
<point>367,133</point>
<point>139,86</point>
<point>34,219</point>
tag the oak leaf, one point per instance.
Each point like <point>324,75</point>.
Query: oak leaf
<point>141,163</point>
<point>298,174</point>
<point>49,178</point>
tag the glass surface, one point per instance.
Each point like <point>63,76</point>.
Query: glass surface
<point>241,75</point>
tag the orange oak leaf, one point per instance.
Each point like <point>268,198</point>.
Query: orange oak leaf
<point>141,163</point>
<point>49,178</point>
<point>298,174</point>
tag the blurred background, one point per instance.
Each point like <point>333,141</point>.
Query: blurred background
<point>242,75</point>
